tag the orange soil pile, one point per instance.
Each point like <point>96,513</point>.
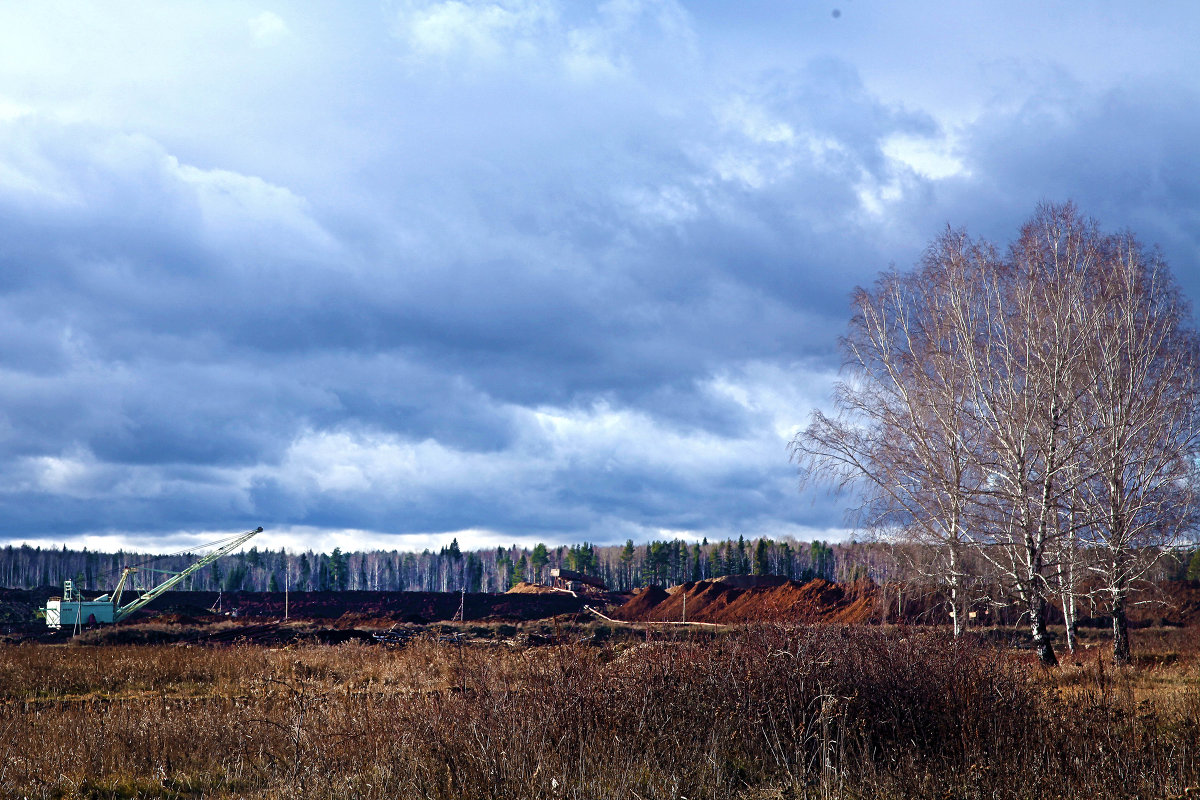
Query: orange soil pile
<point>642,603</point>
<point>771,601</point>
<point>583,592</point>
<point>531,588</point>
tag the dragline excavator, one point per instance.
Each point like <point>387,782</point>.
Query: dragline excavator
<point>71,609</point>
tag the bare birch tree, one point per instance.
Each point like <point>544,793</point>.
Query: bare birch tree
<point>1144,397</point>
<point>1037,410</point>
<point>1027,357</point>
<point>900,434</point>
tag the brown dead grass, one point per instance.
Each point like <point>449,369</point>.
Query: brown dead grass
<point>771,711</point>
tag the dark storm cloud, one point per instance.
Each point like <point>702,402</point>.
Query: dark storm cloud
<point>510,269</point>
<point>1124,155</point>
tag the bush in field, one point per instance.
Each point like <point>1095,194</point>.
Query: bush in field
<point>764,712</point>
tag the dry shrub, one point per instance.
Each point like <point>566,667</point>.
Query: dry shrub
<point>766,711</point>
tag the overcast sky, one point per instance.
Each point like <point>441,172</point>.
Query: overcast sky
<point>382,274</point>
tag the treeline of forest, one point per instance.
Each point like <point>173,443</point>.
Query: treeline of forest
<point>451,569</point>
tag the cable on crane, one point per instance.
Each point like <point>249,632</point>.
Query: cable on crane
<point>191,551</point>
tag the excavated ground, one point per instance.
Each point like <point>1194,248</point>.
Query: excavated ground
<point>732,600</point>
<point>589,594</point>
<point>377,608</point>
<point>18,607</point>
<point>744,599</point>
<point>738,599</point>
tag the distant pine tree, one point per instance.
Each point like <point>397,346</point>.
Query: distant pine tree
<point>762,565</point>
<point>537,561</point>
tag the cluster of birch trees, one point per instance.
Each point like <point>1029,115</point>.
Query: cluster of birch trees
<point>1036,409</point>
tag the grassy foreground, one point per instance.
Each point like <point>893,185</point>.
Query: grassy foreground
<point>829,712</point>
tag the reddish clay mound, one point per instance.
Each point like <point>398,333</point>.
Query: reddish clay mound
<point>723,603</point>
<point>862,597</point>
<point>706,601</point>
<point>642,603</point>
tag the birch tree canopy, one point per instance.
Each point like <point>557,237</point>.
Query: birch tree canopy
<point>1038,410</point>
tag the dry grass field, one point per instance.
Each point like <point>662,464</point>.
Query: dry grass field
<point>756,712</point>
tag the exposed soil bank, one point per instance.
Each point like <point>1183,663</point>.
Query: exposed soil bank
<point>769,599</point>
<point>739,599</point>
<point>18,606</point>
<point>731,600</point>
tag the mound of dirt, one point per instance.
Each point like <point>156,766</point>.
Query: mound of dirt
<point>19,608</point>
<point>585,592</point>
<point>533,588</point>
<point>642,603</point>
<point>771,600</point>
<point>751,581</point>
<point>740,599</point>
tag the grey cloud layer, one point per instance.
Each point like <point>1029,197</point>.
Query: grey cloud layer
<point>517,267</point>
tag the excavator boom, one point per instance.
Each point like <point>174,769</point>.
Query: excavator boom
<point>72,609</point>
<point>124,611</point>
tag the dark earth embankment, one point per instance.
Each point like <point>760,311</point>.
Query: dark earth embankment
<point>731,601</point>
<point>19,606</point>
